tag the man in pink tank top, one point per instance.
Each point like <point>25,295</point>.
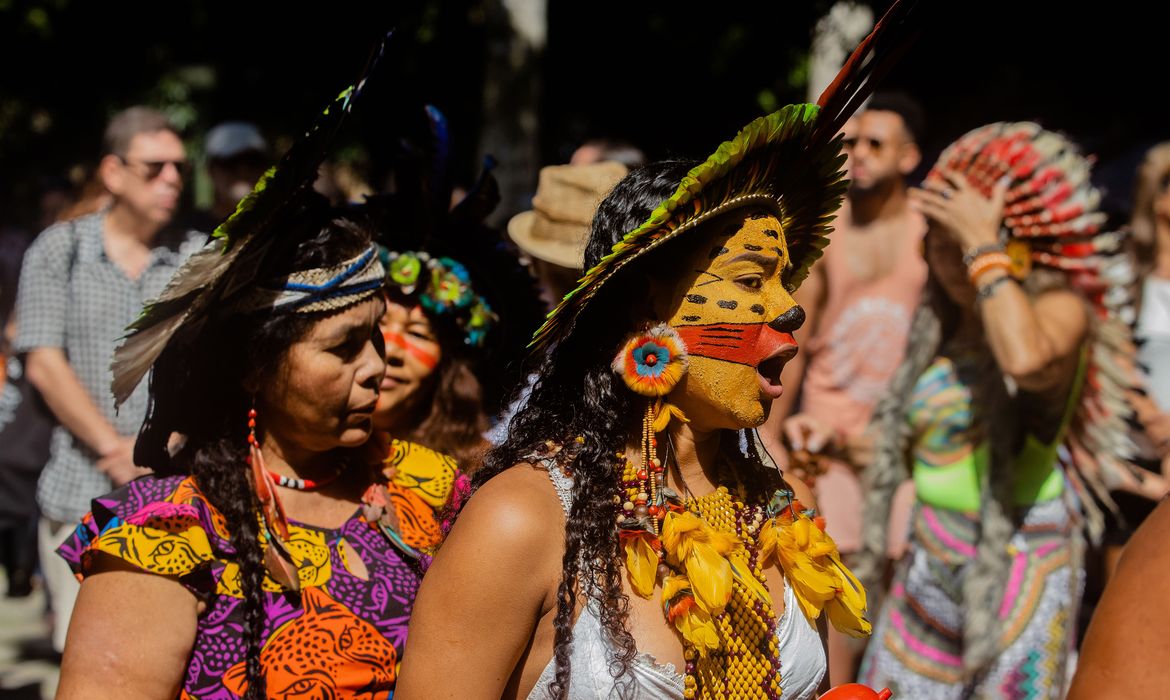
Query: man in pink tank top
<point>859,300</point>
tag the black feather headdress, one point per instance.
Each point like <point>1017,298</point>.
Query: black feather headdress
<point>224,273</point>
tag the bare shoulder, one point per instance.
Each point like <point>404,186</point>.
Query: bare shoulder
<point>517,509</point>
<point>491,583</point>
<point>106,632</point>
<point>1123,656</point>
<point>1146,555</point>
<point>517,497</point>
<point>511,534</point>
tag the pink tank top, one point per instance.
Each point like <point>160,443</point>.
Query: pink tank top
<point>861,335</point>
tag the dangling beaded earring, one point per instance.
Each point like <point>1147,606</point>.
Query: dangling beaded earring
<point>651,363</point>
<point>277,557</point>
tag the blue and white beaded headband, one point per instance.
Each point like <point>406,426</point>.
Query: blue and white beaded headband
<point>326,288</point>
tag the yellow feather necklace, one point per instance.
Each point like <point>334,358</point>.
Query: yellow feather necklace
<point>708,554</point>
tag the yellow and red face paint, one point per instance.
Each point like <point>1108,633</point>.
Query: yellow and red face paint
<point>742,343</point>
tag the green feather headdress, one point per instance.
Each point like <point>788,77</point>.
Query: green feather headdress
<point>788,161</point>
<point>773,162</point>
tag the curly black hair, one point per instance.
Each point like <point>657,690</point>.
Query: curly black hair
<point>576,393</point>
<point>199,391</point>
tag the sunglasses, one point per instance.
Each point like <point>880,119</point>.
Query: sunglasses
<point>851,142</point>
<point>153,168</point>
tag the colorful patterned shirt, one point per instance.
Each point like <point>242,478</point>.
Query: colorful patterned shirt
<point>342,637</point>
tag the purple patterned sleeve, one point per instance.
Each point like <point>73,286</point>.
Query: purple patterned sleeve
<point>121,503</point>
<point>155,524</point>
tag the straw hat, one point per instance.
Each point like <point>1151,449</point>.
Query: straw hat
<point>562,211</point>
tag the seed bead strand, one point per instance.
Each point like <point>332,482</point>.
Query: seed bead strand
<point>748,665</point>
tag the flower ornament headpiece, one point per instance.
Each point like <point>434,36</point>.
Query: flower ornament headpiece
<point>443,287</point>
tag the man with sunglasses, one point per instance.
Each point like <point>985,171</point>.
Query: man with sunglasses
<point>858,302</point>
<point>82,282</point>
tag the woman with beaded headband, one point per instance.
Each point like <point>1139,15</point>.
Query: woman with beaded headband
<point>267,555</point>
<point>1018,365</point>
<point>628,539</point>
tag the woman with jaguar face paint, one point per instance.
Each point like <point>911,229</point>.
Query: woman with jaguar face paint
<point>630,539</point>
<point>1010,414</point>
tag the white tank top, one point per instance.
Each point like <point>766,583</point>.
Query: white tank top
<point>802,656</point>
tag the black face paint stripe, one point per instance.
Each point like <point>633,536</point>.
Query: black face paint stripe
<point>726,304</point>
<point>692,318</point>
<point>752,247</point>
<point>696,298</point>
<point>716,252</point>
<point>778,251</point>
<point>711,281</point>
<point>757,309</point>
<point>772,234</point>
<point>727,334</point>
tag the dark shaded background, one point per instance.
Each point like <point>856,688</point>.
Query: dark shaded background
<point>674,78</point>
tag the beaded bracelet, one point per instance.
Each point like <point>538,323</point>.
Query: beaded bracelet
<point>988,289</point>
<point>986,262</point>
<point>978,251</point>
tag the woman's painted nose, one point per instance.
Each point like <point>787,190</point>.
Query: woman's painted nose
<point>789,321</point>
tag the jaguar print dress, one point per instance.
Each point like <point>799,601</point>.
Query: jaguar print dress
<point>341,637</point>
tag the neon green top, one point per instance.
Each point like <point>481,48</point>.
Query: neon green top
<point>951,457</point>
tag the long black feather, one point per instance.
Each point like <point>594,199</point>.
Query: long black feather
<point>873,58</point>
<point>218,275</point>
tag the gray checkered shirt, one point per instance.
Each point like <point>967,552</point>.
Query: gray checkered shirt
<point>74,297</point>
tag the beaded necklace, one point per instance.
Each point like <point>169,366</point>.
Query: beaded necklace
<point>296,484</point>
<point>708,556</point>
<point>730,648</point>
<point>748,664</point>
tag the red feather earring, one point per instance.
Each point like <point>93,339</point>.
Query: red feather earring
<point>277,557</point>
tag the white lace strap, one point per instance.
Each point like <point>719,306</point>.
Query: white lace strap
<point>562,483</point>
